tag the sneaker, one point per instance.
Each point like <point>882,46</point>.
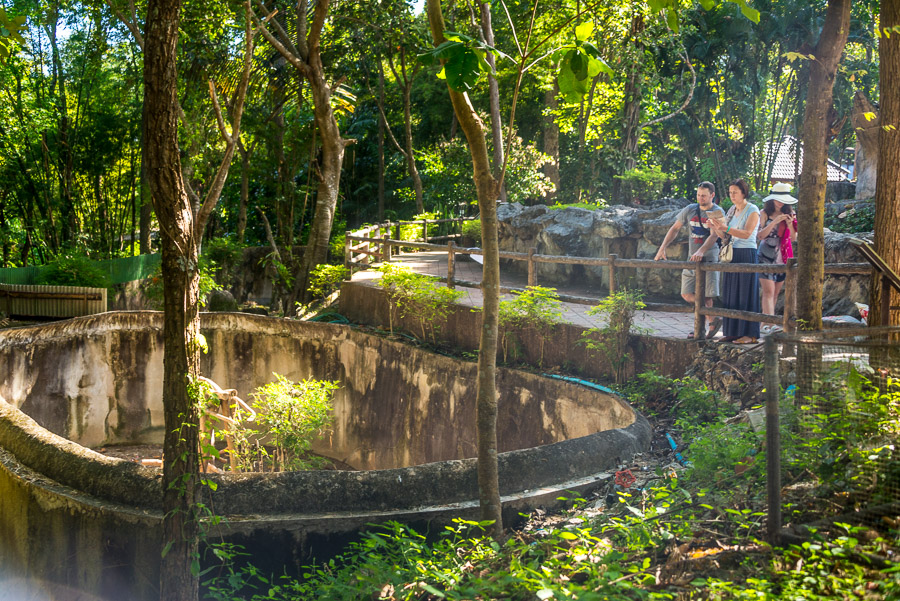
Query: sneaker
<point>766,329</point>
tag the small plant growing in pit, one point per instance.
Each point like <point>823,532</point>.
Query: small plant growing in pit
<point>537,308</point>
<point>290,416</point>
<point>412,293</point>
<point>612,339</point>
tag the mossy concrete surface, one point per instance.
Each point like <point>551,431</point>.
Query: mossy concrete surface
<point>403,417</point>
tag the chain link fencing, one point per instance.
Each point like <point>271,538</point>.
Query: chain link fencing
<point>833,428</point>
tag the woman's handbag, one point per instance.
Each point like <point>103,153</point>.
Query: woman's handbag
<point>726,252</point>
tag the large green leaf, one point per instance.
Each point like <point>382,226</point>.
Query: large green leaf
<point>584,31</point>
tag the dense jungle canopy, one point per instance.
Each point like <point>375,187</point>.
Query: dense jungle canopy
<point>71,113</point>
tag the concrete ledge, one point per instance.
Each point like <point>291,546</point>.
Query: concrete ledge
<point>80,519</point>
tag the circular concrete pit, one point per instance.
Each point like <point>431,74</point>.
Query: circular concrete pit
<point>404,419</point>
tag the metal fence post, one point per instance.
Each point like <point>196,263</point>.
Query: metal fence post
<point>773,440</point>
<point>699,301</point>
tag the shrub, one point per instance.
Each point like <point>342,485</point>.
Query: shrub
<point>471,231</point>
<point>420,295</point>
<point>73,271</point>
<point>291,416</point>
<point>224,256</point>
<point>537,308</point>
<point>612,339</point>
<point>325,279</point>
<point>643,185</point>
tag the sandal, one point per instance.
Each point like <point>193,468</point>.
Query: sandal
<point>714,326</point>
<point>745,340</point>
<point>690,336</point>
<point>728,339</point>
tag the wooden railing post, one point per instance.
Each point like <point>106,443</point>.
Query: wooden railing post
<point>699,301</point>
<point>451,264</point>
<point>385,248</point>
<point>532,271</point>
<point>424,230</point>
<point>348,258</point>
<point>612,274</point>
<point>790,296</point>
<point>886,290</point>
<point>397,231</point>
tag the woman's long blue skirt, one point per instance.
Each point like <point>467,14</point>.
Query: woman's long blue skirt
<point>741,291</point>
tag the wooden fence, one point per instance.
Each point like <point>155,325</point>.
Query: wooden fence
<point>381,244</point>
<point>51,301</point>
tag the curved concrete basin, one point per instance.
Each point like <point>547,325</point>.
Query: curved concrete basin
<point>404,418</point>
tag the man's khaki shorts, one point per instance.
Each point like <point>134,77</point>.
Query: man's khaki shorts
<point>712,282</point>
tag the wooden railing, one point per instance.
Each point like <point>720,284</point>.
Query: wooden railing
<point>788,321</point>
<point>51,301</point>
<point>381,235</point>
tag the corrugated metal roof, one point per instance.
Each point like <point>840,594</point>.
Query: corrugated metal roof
<point>787,161</point>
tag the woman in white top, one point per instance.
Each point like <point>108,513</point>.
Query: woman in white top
<point>740,291</point>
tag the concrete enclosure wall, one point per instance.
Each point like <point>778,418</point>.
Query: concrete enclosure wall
<point>86,524</point>
<point>97,382</point>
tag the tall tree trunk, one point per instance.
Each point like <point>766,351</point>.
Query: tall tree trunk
<point>494,96</point>
<point>245,191</point>
<point>887,193</point>
<point>381,127</point>
<point>306,57</point>
<point>181,326</point>
<point>866,163</point>
<point>811,206</point>
<point>631,112</point>
<point>410,154</point>
<point>551,139</point>
<point>488,190</point>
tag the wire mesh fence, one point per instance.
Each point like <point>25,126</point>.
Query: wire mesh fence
<point>833,427</point>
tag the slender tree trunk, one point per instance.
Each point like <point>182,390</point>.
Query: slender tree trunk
<point>887,193</point>
<point>180,291</point>
<point>494,96</point>
<point>631,113</point>
<point>867,131</point>
<point>551,139</point>
<point>381,127</point>
<point>811,206</point>
<point>410,155</point>
<point>245,192</point>
<point>488,191</point>
<point>333,146</point>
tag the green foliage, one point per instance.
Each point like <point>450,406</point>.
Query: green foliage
<point>73,270</point>
<point>447,175</point>
<point>224,257</point>
<point>848,432</point>
<point>325,279</point>
<point>419,295</point>
<point>855,220</point>
<point>471,230</point>
<point>589,205</point>
<point>337,240</point>
<point>413,231</point>
<point>154,288</point>
<point>463,60</point>
<point>10,33</point>
<point>290,417</point>
<point>618,309</point>
<point>536,308</point>
<point>718,450</point>
<point>580,63</point>
<point>644,184</point>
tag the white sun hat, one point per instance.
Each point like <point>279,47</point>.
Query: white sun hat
<point>782,193</point>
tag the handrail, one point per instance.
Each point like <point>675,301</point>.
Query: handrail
<point>788,321</point>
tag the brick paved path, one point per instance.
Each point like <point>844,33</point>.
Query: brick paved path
<point>661,324</point>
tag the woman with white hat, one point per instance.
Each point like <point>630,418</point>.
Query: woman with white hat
<point>777,232</point>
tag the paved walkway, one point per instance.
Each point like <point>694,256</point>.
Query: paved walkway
<point>656,323</point>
